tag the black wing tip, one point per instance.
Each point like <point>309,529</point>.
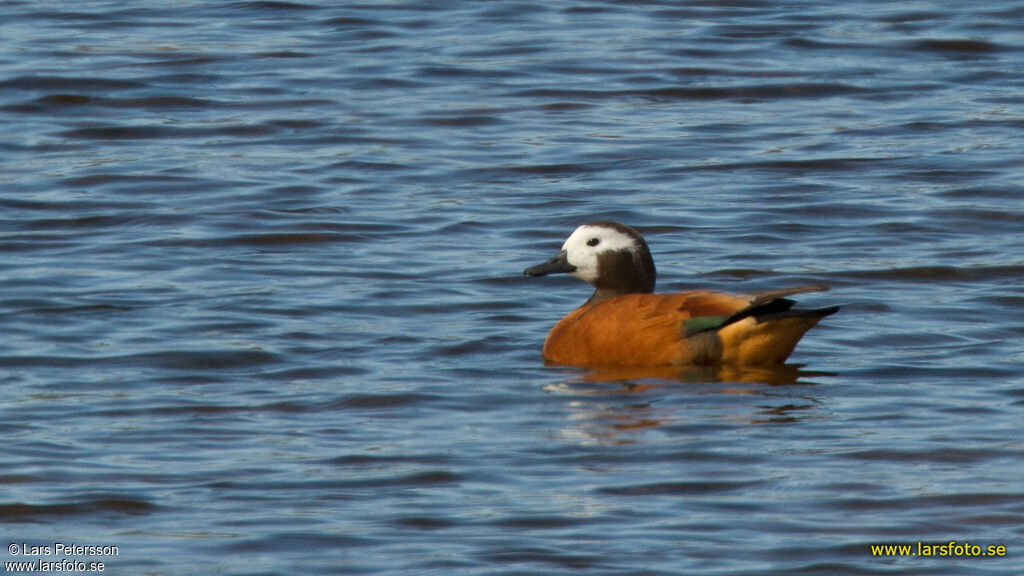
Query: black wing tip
<point>778,309</point>
<point>828,311</point>
<point>815,314</point>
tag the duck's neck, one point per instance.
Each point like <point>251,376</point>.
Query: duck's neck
<point>623,272</point>
<point>602,294</point>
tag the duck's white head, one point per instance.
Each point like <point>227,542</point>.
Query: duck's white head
<point>611,257</point>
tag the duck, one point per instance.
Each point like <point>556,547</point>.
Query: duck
<point>625,324</point>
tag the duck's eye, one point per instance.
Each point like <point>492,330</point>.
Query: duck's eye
<point>593,242</point>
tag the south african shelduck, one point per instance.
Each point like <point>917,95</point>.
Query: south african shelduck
<point>624,324</point>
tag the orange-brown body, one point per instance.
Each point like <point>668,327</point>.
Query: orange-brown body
<point>651,330</point>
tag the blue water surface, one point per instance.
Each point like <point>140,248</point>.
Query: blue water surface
<point>263,311</point>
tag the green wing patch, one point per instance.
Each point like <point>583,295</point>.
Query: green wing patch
<point>702,324</point>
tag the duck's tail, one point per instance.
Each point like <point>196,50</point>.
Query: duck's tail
<point>767,331</point>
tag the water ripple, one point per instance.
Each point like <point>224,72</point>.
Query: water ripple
<point>262,284</point>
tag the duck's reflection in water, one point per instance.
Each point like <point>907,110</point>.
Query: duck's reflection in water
<point>613,405</point>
